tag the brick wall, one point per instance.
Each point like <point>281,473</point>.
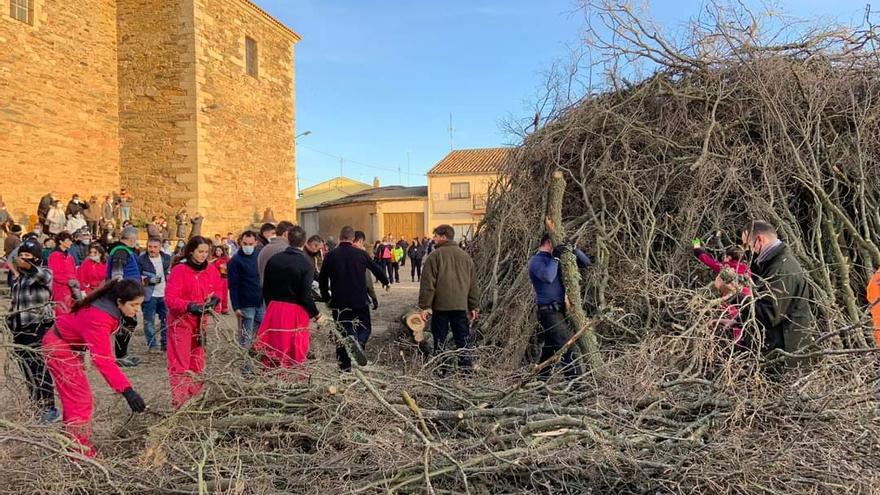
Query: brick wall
<point>246,130</point>
<point>58,102</point>
<point>157,105</point>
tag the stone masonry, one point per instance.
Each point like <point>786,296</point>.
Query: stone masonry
<point>154,97</point>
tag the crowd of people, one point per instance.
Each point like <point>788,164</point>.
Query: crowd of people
<point>82,291</point>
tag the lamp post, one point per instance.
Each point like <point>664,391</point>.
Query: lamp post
<point>302,134</point>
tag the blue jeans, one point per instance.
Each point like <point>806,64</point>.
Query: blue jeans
<point>250,321</point>
<point>156,305</point>
<point>125,213</point>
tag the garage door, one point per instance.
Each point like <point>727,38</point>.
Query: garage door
<point>406,225</point>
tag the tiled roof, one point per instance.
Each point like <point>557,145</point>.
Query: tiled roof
<point>381,193</point>
<point>473,161</point>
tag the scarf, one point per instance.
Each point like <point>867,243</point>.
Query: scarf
<point>196,266</point>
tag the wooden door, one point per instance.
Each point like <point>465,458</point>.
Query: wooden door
<point>406,225</point>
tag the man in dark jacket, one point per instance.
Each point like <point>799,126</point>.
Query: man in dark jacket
<point>154,266</point>
<point>122,263</point>
<point>46,203</point>
<point>344,285</point>
<point>75,205</point>
<point>782,304</point>
<point>546,277</point>
<point>283,338</point>
<point>244,288</point>
<point>448,292</point>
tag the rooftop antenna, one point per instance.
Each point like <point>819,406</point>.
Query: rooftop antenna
<point>407,168</point>
<point>341,161</point>
<point>451,132</point>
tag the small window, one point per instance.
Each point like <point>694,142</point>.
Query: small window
<point>460,190</point>
<point>22,10</point>
<point>250,56</point>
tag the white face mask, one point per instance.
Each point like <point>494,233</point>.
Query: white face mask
<point>96,258</point>
<point>248,250</point>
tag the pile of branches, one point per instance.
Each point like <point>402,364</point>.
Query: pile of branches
<point>731,125</point>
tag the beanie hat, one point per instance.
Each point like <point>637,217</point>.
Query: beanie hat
<point>32,247</point>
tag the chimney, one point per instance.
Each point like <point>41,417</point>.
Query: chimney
<point>375,182</point>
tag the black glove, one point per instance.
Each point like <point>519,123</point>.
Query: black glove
<point>561,249</point>
<point>135,401</point>
<point>375,303</point>
<point>212,303</point>
<point>195,309</point>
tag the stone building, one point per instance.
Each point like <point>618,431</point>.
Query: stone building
<point>186,103</point>
<point>397,211</point>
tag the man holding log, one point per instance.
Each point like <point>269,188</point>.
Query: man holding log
<point>545,275</point>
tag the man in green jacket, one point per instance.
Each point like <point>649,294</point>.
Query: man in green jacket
<point>449,293</point>
<point>782,304</point>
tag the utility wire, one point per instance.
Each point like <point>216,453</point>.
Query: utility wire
<point>355,162</point>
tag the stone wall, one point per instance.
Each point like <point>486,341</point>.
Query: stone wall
<point>157,105</point>
<point>246,126</point>
<point>58,103</point>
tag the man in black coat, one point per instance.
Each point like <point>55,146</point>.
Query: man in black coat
<point>344,286</point>
<point>283,337</point>
<point>783,306</point>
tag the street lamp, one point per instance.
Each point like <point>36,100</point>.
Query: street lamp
<point>302,134</point>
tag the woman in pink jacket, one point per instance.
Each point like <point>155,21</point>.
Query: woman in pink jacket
<point>191,293</point>
<point>63,268</point>
<point>90,326</point>
<point>220,260</point>
<point>93,271</point>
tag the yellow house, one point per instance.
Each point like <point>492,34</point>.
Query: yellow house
<point>458,186</point>
<point>395,211</point>
<point>329,190</point>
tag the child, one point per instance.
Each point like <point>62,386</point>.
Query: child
<point>729,285</point>
<point>733,259</point>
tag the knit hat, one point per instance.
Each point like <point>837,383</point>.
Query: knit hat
<point>32,247</point>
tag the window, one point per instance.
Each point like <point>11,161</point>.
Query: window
<point>22,10</point>
<point>250,56</point>
<point>463,231</point>
<point>460,190</point>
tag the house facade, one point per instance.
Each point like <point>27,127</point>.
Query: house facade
<point>458,187</point>
<point>329,190</point>
<point>397,211</point>
<point>186,103</point>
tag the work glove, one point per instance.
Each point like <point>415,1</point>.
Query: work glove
<point>212,303</point>
<point>375,303</point>
<point>195,309</point>
<point>135,401</point>
<point>73,284</point>
<point>561,249</point>
<point>77,294</point>
<point>155,280</point>
<point>698,243</point>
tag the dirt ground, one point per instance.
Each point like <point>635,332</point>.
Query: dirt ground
<point>150,378</point>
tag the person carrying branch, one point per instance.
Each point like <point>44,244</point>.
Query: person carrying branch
<point>733,258</point>
<point>546,276</point>
<point>89,327</point>
<point>190,294</point>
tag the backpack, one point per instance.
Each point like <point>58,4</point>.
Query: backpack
<point>386,253</point>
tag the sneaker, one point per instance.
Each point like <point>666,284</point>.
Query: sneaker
<point>49,415</point>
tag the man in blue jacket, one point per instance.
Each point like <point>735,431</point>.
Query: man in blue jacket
<point>122,263</point>
<point>154,265</point>
<point>244,288</point>
<point>545,275</point>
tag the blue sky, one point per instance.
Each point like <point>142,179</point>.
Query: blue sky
<point>378,79</point>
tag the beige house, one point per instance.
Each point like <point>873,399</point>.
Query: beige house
<point>458,186</point>
<point>186,103</point>
<point>329,190</point>
<point>397,211</point>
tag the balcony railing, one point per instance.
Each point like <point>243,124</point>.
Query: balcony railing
<point>444,203</point>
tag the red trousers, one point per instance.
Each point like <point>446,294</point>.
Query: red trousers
<point>69,373</point>
<point>186,360</point>
<point>283,337</point>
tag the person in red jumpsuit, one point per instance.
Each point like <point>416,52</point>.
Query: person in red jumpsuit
<point>64,282</point>
<point>93,271</point>
<point>89,327</point>
<point>220,260</point>
<point>190,295</point>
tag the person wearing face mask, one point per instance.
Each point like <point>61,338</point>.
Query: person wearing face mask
<point>783,307</point>
<point>123,263</point>
<point>166,247</point>
<point>178,251</point>
<point>244,288</point>
<point>190,295</point>
<point>277,244</point>
<point>65,285</point>
<point>92,273</point>
<point>267,232</point>
<point>30,316</point>
<point>90,326</point>
<point>80,249</point>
